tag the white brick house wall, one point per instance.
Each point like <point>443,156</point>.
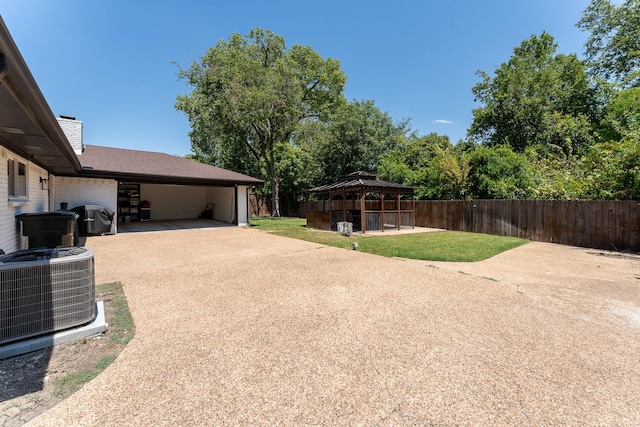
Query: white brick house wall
<point>73,130</point>
<point>84,191</point>
<point>37,200</point>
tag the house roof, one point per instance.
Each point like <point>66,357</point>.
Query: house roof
<point>358,182</point>
<point>27,124</point>
<point>152,167</point>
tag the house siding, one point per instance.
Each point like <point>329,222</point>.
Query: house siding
<point>224,199</point>
<point>37,200</point>
<point>84,191</point>
<point>174,201</point>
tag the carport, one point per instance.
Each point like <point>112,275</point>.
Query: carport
<point>155,186</point>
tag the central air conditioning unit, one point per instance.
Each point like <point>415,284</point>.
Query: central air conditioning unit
<point>45,290</point>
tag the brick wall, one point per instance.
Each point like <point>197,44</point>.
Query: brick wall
<point>37,201</point>
<point>84,191</point>
<point>73,130</point>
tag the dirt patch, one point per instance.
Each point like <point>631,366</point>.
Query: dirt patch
<point>33,383</point>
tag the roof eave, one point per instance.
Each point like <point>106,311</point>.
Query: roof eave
<point>28,106</point>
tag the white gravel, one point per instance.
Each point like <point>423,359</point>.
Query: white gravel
<point>238,327</point>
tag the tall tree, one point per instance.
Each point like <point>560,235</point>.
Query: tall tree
<point>358,134</point>
<point>538,97</point>
<point>613,46</point>
<point>431,163</point>
<point>499,173</point>
<point>253,92</point>
<point>621,116</point>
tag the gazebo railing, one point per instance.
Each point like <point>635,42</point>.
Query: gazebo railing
<point>325,220</point>
<point>391,219</point>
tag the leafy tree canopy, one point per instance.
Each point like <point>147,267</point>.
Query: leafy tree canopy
<point>538,97</point>
<point>430,163</point>
<point>622,116</point>
<point>249,96</point>
<point>613,46</point>
<point>358,135</point>
<point>499,173</point>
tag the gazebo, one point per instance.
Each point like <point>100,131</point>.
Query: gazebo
<point>352,205</point>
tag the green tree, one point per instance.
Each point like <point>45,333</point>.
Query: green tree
<point>293,169</point>
<point>613,46</point>
<point>431,163</point>
<point>612,170</point>
<point>356,136</point>
<point>556,175</point>
<point>538,97</point>
<point>249,96</point>
<point>499,173</point>
<point>621,116</point>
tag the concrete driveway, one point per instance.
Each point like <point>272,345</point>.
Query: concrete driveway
<point>238,327</point>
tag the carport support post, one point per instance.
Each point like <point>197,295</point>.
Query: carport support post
<point>363,214</point>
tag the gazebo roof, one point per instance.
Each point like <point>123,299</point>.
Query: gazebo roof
<point>357,182</point>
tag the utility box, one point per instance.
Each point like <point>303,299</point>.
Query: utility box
<point>48,229</point>
<point>345,228</point>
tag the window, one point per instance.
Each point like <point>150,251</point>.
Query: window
<point>17,178</point>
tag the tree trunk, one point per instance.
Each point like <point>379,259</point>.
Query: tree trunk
<point>275,196</point>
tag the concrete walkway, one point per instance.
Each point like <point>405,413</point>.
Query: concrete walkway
<point>238,327</point>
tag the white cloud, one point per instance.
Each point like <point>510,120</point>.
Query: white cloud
<point>443,121</point>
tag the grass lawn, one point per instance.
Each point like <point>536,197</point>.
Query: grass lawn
<point>438,246</point>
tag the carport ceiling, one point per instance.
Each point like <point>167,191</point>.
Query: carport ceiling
<point>27,125</point>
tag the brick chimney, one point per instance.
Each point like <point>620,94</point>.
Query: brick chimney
<point>72,128</point>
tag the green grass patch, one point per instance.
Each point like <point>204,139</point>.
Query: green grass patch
<point>69,384</point>
<point>121,324</point>
<point>119,332</point>
<point>452,246</point>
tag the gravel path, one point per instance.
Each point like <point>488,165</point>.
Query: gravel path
<point>235,326</point>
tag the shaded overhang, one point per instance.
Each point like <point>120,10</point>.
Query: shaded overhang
<point>27,124</point>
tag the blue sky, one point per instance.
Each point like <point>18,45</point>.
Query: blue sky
<point>112,64</point>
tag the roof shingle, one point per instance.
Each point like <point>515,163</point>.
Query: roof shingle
<point>120,163</point>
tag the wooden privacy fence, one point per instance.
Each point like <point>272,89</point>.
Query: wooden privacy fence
<point>603,224</point>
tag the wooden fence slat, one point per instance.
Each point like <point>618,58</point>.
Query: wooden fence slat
<point>602,224</point>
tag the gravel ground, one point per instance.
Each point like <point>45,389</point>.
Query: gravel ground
<point>235,326</point>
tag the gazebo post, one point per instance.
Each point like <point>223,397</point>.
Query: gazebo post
<point>398,206</point>
<point>344,205</point>
<point>330,211</point>
<point>363,213</point>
